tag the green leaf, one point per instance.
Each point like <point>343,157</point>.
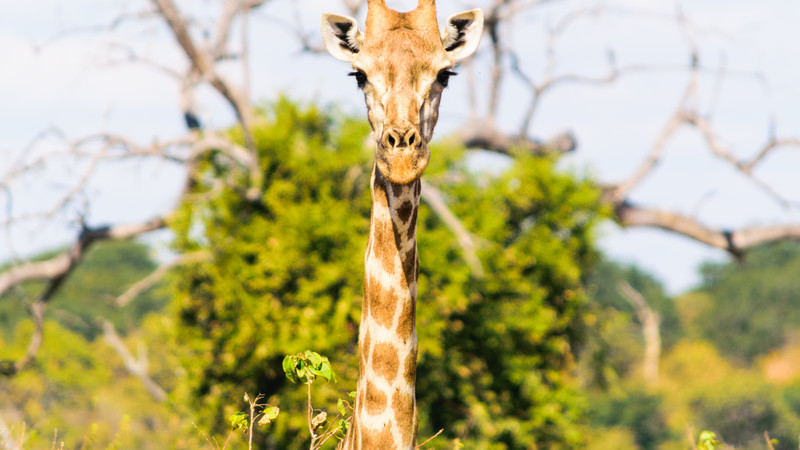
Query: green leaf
<point>303,372</point>
<point>269,415</point>
<point>289,363</point>
<point>340,406</point>
<point>326,371</point>
<point>344,426</point>
<point>314,358</point>
<point>708,441</point>
<point>240,421</point>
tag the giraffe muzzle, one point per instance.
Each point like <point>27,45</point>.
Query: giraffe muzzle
<point>402,155</point>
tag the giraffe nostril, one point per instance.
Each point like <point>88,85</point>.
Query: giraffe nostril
<point>391,141</point>
<point>411,139</point>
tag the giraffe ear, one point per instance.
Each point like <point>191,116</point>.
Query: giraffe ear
<point>462,34</point>
<point>341,36</point>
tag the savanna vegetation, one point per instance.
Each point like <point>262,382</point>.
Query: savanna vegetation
<point>543,349</point>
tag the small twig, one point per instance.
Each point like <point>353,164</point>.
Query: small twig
<point>228,439</point>
<point>5,433</point>
<point>21,437</point>
<point>430,438</point>
<point>150,280</point>
<point>210,444</point>
<point>310,411</point>
<point>690,435</point>
<point>768,441</point>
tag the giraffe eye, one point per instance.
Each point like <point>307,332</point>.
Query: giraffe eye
<point>444,77</point>
<point>361,77</point>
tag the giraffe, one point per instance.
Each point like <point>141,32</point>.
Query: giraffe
<point>402,62</point>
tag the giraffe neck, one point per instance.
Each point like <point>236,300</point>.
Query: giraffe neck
<point>385,414</point>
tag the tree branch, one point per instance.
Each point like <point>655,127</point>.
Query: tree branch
<point>482,135</point>
<point>735,242</point>
<point>61,264</point>
<point>435,200</point>
<point>137,367</point>
<point>651,329</point>
<point>231,9</point>
<point>203,63</point>
<point>37,312</point>
<point>146,283</point>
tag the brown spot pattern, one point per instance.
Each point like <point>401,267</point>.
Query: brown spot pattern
<point>397,189</point>
<point>404,211</point>
<point>378,440</point>
<point>410,368</point>
<point>406,324</point>
<point>364,349</point>
<point>385,362</point>
<point>375,399</point>
<point>412,226</point>
<point>382,247</point>
<point>409,262</point>
<point>382,304</point>
<point>403,406</point>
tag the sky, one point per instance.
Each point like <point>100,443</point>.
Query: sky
<point>80,83</point>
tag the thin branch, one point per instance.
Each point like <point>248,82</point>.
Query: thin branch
<point>97,29</point>
<point>37,313</point>
<point>230,11</point>
<point>146,283</point>
<point>353,6</point>
<point>772,144</point>
<point>61,264</point>
<point>650,321</point>
<point>6,439</point>
<point>735,242</point>
<point>491,27</point>
<point>680,116</point>
<point>767,439</point>
<point>652,160</point>
<point>430,439</point>
<point>136,366</point>
<point>435,200</point>
<point>203,63</point>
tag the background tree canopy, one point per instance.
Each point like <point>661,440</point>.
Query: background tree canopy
<point>542,348</point>
<point>286,274</point>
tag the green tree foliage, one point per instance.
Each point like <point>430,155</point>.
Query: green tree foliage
<point>615,347</point>
<point>635,409</point>
<point>755,303</point>
<point>602,285</point>
<point>78,386</point>
<point>701,388</point>
<point>106,272</point>
<point>286,274</point>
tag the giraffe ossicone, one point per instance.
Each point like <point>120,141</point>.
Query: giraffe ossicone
<point>402,62</point>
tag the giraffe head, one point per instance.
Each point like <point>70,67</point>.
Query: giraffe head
<point>402,62</point>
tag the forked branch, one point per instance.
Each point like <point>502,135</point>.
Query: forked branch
<point>139,366</point>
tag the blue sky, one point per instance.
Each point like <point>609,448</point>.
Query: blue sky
<point>77,84</point>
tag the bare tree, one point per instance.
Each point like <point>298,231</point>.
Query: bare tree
<point>204,51</point>
<point>651,330</point>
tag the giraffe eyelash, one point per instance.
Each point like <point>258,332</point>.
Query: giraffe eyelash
<point>361,77</point>
<point>444,77</point>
